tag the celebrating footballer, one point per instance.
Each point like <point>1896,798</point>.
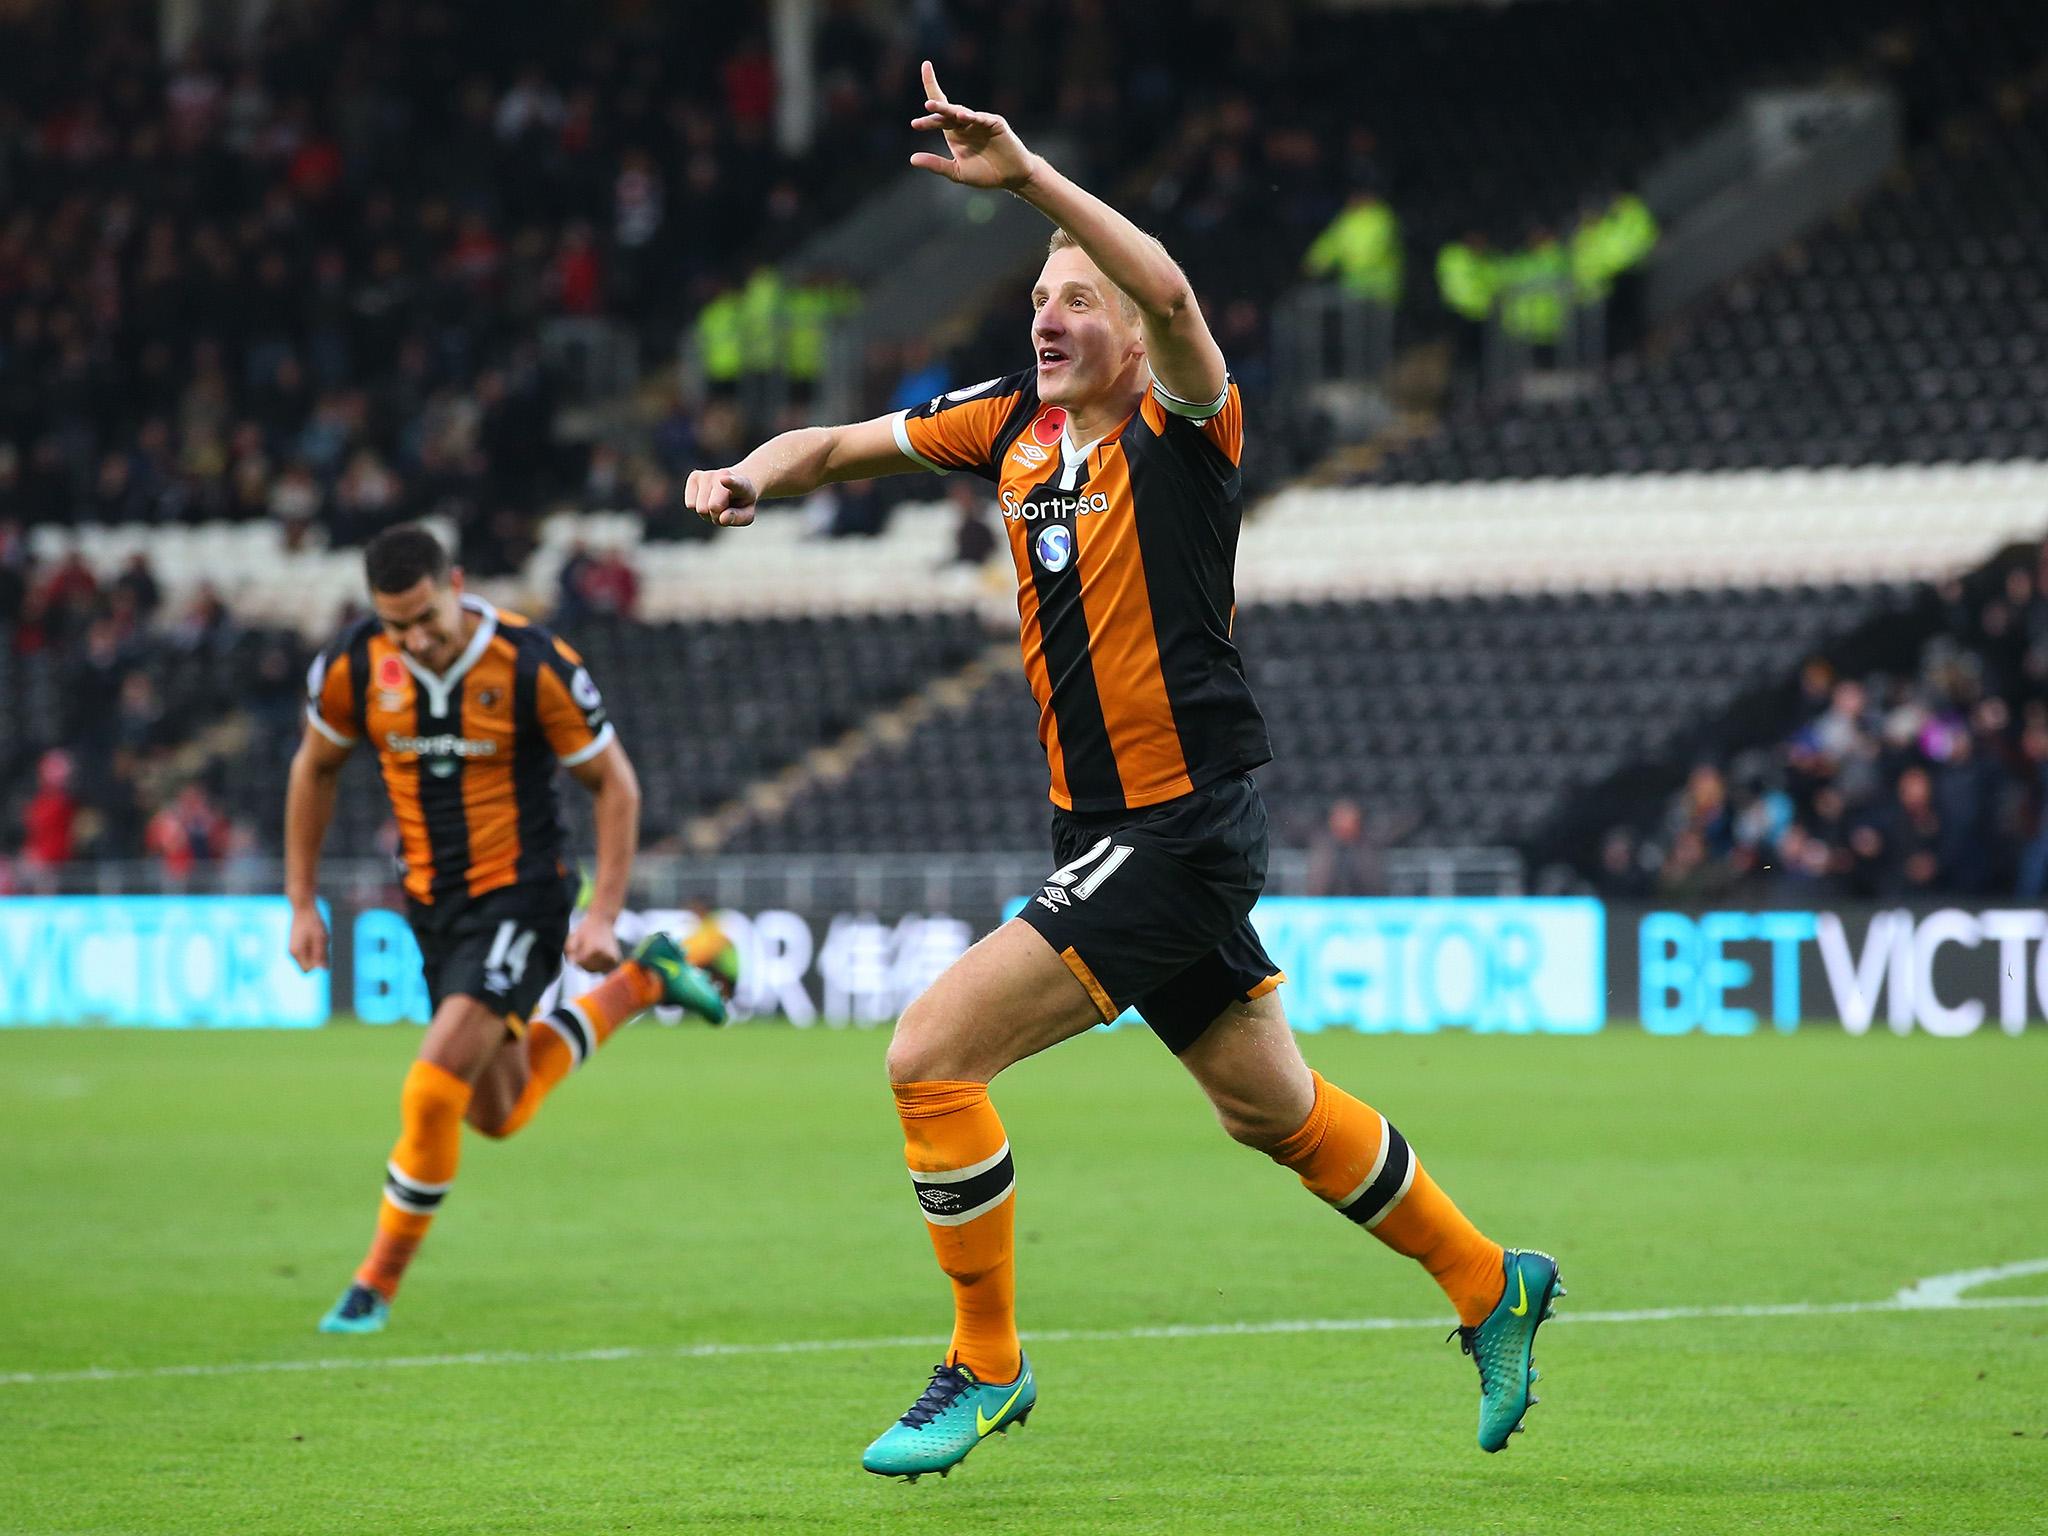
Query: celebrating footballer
<point>1115,457</point>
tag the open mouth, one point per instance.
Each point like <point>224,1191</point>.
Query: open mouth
<point>1051,357</point>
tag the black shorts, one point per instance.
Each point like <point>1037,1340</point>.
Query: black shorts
<point>1152,907</point>
<point>502,948</point>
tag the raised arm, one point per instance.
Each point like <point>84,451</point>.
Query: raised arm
<point>795,464</point>
<point>986,152</point>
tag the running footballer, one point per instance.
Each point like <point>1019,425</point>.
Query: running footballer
<point>1115,458</point>
<point>470,710</point>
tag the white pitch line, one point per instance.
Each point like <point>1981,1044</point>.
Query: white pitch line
<point>1905,1301</point>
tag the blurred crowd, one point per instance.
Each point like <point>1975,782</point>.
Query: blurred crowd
<point>303,279</point>
<point>111,711</point>
<point>1893,786</point>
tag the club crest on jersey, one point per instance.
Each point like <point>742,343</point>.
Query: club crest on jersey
<point>489,699</point>
<point>1050,425</point>
<point>1055,547</point>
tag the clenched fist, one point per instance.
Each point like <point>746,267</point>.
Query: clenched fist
<point>720,496</point>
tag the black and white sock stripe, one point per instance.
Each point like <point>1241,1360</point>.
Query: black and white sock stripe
<point>1392,1172</point>
<point>568,1022</point>
<point>958,1195</point>
<point>409,1194</point>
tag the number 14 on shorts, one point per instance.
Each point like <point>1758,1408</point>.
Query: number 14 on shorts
<point>1063,888</point>
<point>506,962</point>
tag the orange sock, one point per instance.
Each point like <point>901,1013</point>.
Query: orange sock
<point>422,1167</point>
<point>960,1166</point>
<point>569,1036</point>
<point>1349,1155</point>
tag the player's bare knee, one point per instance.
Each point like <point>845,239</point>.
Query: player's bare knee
<point>1261,1127</point>
<point>487,1122</point>
<point>463,1038</point>
<point>923,1048</point>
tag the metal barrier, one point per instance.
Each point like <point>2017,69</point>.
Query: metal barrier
<point>973,886</point>
<point>1332,351</point>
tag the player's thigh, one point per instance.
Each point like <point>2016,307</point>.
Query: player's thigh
<point>1008,997</point>
<point>1152,911</point>
<point>1249,1065</point>
<point>502,950</point>
<point>466,1033</point>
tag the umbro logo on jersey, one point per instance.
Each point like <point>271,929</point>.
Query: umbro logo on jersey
<point>1031,454</point>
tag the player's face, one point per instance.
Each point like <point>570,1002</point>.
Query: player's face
<point>1080,334</point>
<point>425,619</point>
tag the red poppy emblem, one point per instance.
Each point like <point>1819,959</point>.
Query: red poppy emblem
<point>390,673</point>
<point>1047,428</point>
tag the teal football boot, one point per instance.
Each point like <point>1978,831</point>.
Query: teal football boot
<point>682,984</point>
<point>362,1309</point>
<point>1502,1346</point>
<point>956,1413</point>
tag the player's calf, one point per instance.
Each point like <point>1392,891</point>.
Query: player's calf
<point>565,1037</point>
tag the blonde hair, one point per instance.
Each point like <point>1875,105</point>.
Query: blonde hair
<point>1060,240</point>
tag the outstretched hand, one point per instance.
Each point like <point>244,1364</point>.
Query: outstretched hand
<point>720,496</point>
<point>985,151</point>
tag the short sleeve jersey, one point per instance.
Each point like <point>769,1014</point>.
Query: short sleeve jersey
<point>468,756</point>
<point>1125,550</point>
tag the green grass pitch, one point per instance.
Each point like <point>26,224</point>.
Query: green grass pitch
<point>186,1200</point>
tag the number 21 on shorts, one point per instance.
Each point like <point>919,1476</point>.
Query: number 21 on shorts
<point>1062,887</point>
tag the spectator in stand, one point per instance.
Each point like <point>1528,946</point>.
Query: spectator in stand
<point>604,483</point>
<point>1893,788</point>
<point>610,588</point>
<point>571,607</point>
<point>1345,859</point>
<point>185,833</point>
<point>49,821</point>
<point>68,595</point>
<point>974,540</point>
<point>1622,875</point>
<point>15,571</point>
<point>138,584</point>
<point>923,375</point>
<point>578,277</point>
<point>852,509</point>
<point>295,504</point>
<point>1913,839</point>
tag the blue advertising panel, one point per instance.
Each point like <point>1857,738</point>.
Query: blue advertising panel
<point>1508,965</point>
<point>390,987</point>
<point>167,962</point>
<point>1943,971</point>
<point>1494,966</point>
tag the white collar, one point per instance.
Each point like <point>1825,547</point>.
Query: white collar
<point>440,685</point>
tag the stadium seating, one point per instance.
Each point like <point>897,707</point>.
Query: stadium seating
<point>1469,718</point>
<point>1909,333</point>
<point>712,708</point>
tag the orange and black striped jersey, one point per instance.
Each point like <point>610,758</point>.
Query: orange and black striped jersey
<point>1125,551</point>
<point>468,756</point>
